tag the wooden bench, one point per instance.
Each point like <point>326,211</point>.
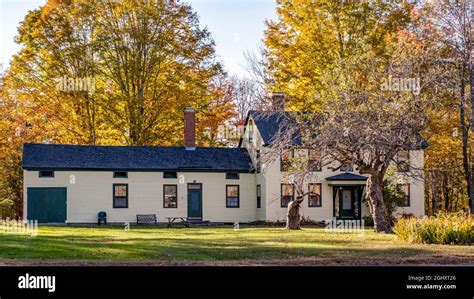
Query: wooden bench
<point>146,219</point>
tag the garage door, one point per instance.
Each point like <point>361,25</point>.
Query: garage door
<point>47,204</point>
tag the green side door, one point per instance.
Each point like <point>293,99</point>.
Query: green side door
<point>195,200</point>
<point>46,205</point>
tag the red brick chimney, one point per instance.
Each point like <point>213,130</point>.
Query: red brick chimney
<point>189,128</point>
<point>278,101</point>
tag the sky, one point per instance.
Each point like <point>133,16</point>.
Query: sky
<point>236,26</point>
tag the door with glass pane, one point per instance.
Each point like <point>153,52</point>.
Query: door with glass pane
<point>346,203</point>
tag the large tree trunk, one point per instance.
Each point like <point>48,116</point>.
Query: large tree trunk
<point>293,217</point>
<point>377,205</point>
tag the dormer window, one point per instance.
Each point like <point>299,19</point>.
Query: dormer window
<point>251,130</point>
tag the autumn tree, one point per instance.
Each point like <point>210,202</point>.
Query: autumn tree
<point>331,57</point>
<point>158,61</point>
<point>453,21</point>
<point>218,112</point>
<point>312,37</point>
<point>58,45</point>
<point>148,59</point>
<point>16,128</point>
<point>108,72</point>
<point>365,124</point>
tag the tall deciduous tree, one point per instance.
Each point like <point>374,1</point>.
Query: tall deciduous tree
<point>453,19</point>
<point>158,61</point>
<point>312,37</point>
<point>107,72</point>
<point>332,56</point>
<point>145,61</point>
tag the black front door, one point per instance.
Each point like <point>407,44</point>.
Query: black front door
<point>347,202</point>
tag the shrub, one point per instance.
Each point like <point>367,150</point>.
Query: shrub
<point>368,220</point>
<point>5,207</point>
<point>305,221</point>
<point>444,228</point>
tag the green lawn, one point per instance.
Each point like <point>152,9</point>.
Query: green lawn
<point>220,245</point>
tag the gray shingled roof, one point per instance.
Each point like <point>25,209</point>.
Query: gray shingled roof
<point>346,176</point>
<point>269,123</point>
<point>54,156</point>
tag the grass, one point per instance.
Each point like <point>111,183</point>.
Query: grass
<point>220,244</point>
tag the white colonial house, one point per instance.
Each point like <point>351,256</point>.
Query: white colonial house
<point>73,183</point>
